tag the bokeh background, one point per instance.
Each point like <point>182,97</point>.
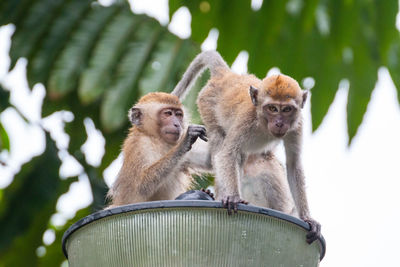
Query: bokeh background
<point>70,70</point>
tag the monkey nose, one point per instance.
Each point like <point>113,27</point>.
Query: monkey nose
<point>279,124</point>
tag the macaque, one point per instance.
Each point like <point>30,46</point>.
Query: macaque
<point>157,152</point>
<point>245,115</point>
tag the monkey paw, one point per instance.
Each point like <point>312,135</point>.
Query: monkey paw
<point>194,132</point>
<point>231,202</point>
<point>315,230</point>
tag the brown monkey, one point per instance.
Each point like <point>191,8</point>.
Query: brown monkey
<point>245,115</point>
<point>156,152</point>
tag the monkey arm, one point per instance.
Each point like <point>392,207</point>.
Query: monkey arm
<point>156,174</point>
<point>163,169</point>
<point>296,181</point>
<point>295,173</point>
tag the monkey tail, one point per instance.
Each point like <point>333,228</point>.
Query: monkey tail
<point>206,59</point>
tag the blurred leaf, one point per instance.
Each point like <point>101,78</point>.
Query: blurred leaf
<point>174,5</point>
<point>202,181</point>
<point>98,187</point>
<point>159,73</point>
<point>327,75</point>
<point>78,137</point>
<point>363,76</point>
<point>307,14</point>
<point>120,97</point>
<point>342,22</point>
<point>13,11</point>
<point>262,46</point>
<point>191,98</point>
<point>54,255</point>
<point>229,25</point>
<point>29,34</point>
<point>74,57</point>
<point>4,98</point>
<point>113,146</point>
<point>204,15</point>
<point>42,61</point>
<point>4,140</point>
<point>394,64</point>
<point>4,103</point>
<point>27,206</point>
<point>386,12</point>
<point>106,55</point>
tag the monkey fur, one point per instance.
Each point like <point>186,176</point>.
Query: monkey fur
<point>158,152</point>
<point>243,116</point>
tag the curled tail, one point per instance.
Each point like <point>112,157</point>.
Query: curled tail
<point>207,59</point>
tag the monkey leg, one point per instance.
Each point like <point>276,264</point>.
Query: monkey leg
<point>264,183</point>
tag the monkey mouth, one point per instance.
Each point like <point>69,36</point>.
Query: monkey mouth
<point>172,133</point>
<point>279,134</point>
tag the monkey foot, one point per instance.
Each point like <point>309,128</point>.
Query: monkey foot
<point>315,230</point>
<point>231,202</point>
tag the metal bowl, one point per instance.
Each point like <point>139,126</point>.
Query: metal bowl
<point>190,233</point>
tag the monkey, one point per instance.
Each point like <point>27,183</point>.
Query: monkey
<point>244,115</point>
<point>156,152</point>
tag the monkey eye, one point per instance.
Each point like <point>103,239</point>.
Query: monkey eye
<point>168,112</point>
<point>272,108</point>
<point>179,114</point>
<point>287,109</point>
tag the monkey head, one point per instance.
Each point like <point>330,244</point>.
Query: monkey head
<point>159,114</point>
<point>278,102</point>
<point>170,124</point>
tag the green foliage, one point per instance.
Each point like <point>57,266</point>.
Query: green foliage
<point>4,141</point>
<point>96,61</point>
<point>202,181</point>
<point>4,103</point>
<point>53,256</point>
<point>327,40</point>
<point>27,205</point>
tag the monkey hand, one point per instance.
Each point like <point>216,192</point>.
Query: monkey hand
<point>315,230</point>
<point>231,202</point>
<point>193,132</point>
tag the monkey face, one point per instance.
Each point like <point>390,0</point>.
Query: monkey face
<point>171,124</point>
<point>280,117</point>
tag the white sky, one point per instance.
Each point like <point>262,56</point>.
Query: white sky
<point>353,192</point>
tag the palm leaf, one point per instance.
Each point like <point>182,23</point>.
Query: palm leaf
<point>106,55</point>
<point>73,59</point>
<point>124,91</point>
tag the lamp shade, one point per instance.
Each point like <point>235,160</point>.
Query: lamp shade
<point>190,233</point>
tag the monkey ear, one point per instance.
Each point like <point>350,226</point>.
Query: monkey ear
<point>254,95</point>
<point>135,116</point>
<point>305,94</point>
